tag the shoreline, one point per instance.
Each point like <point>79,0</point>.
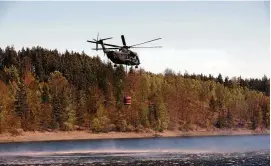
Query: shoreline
<point>86,135</point>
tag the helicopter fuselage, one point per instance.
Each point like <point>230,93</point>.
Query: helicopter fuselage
<point>123,55</point>
<point>128,58</point>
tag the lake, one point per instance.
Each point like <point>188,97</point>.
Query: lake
<point>211,150</point>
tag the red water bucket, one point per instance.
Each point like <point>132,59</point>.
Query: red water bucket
<point>127,100</point>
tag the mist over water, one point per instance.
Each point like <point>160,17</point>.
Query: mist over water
<point>135,149</point>
<point>211,144</point>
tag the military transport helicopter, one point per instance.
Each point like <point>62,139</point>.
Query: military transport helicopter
<point>123,55</point>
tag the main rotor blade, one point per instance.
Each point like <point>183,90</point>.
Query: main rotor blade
<point>92,41</point>
<point>107,38</point>
<point>97,42</point>
<point>106,48</point>
<point>145,42</point>
<point>123,40</point>
<point>148,47</point>
<point>111,45</point>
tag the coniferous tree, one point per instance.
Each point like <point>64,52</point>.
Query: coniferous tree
<point>21,107</point>
<point>219,79</point>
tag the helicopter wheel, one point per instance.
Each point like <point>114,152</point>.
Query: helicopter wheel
<point>115,65</point>
<point>136,66</point>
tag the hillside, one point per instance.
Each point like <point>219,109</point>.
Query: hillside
<point>44,90</point>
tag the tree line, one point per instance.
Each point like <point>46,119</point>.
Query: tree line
<point>44,89</point>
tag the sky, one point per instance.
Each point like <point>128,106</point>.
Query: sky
<point>231,38</point>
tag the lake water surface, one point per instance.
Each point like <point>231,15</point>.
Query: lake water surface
<point>234,150</point>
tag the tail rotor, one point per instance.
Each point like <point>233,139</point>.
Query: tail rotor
<point>97,43</point>
<point>100,41</point>
<point>97,40</point>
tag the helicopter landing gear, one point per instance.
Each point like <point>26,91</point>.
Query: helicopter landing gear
<point>115,65</point>
<point>136,66</point>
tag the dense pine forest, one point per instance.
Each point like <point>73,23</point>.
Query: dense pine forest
<point>45,90</point>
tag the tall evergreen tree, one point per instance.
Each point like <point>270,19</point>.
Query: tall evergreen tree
<point>21,107</point>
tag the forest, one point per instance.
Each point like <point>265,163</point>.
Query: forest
<point>45,90</point>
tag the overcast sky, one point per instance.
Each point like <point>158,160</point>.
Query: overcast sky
<point>231,38</point>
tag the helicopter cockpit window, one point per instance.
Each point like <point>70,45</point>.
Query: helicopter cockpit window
<point>134,59</point>
<point>133,54</point>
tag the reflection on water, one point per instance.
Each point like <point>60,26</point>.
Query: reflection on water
<point>237,150</point>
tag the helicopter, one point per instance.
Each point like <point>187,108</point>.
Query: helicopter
<point>122,55</point>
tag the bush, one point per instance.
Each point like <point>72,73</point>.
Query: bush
<point>95,125</point>
<point>163,126</point>
<point>100,124</point>
<point>122,125</point>
<point>67,126</point>
<point>187,127</point>
<point>130,128</point>
<point>110,127</point>
<point>104,121</point>
<point>16,132</point>
<point>139,128</point>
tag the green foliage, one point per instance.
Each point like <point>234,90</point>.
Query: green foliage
<point>12,73</point>
<point>162,116</point>
<point>219,79</point>
<point>101,121</point>
<point>71,121</point>
<point>21,106</point>
<point>144,115</point>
